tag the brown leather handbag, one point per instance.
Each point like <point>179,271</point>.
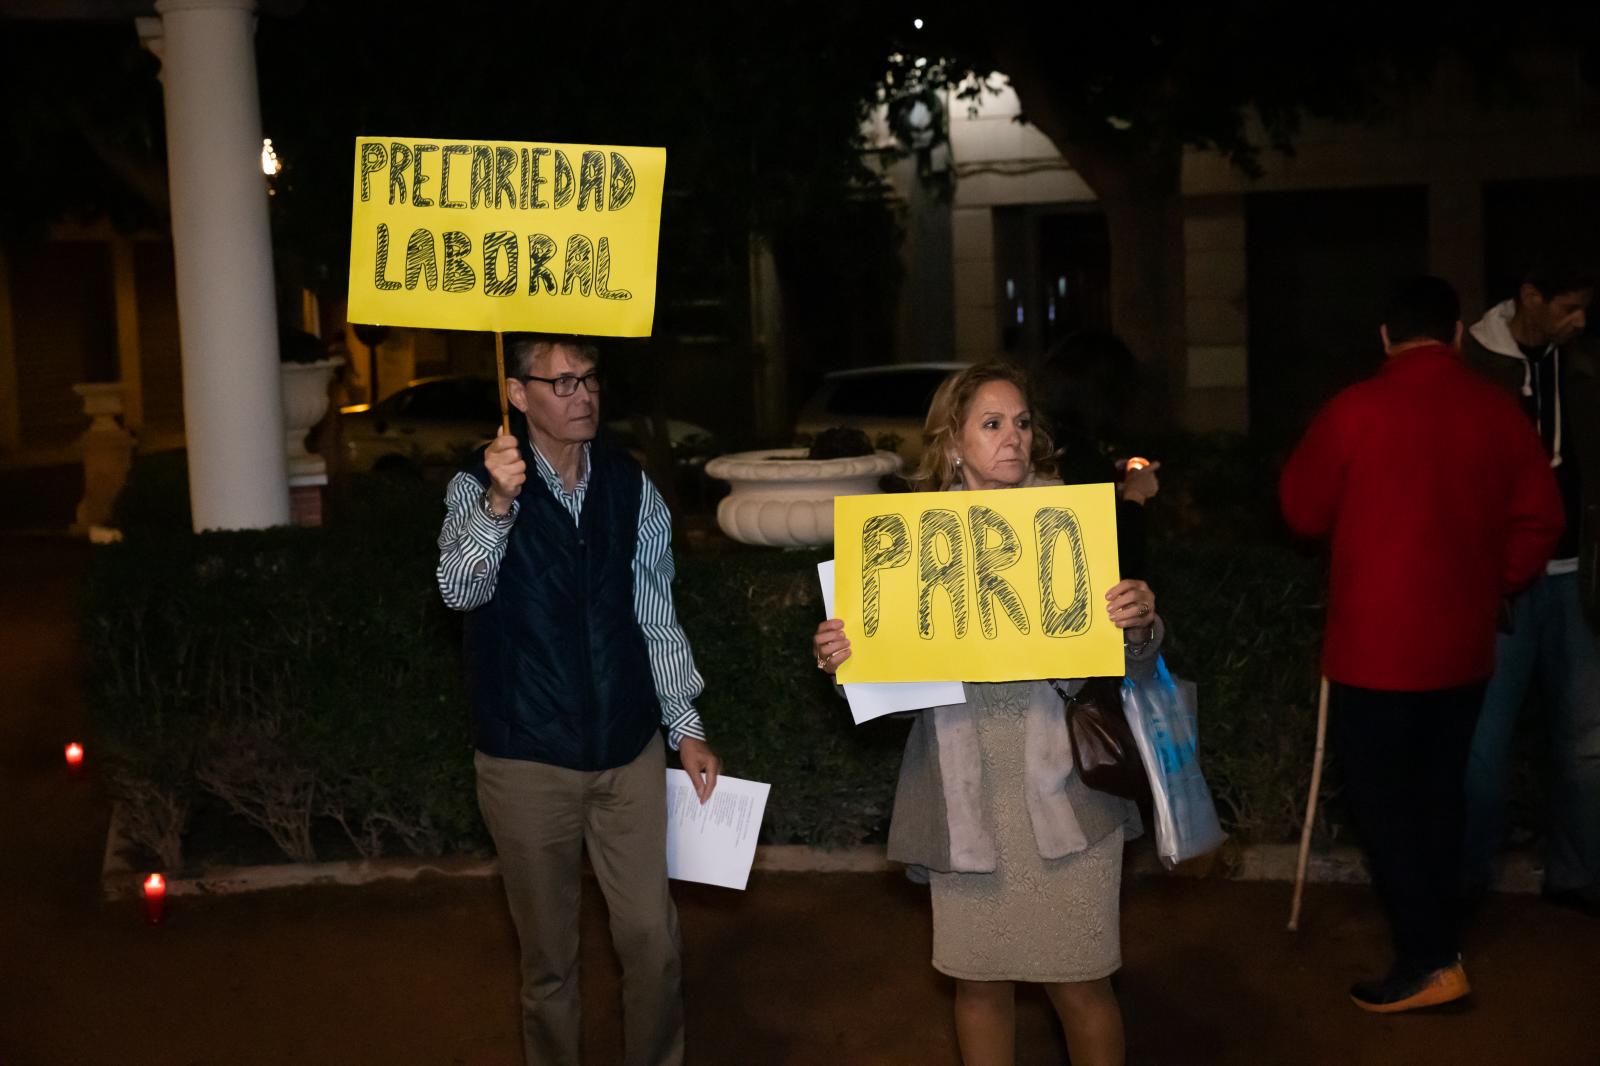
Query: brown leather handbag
<point>1103,747</point>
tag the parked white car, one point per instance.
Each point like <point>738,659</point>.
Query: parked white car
<point>887,403</point>
<point>431,423</point>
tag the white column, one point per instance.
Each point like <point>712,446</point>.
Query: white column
<point>227,322</point>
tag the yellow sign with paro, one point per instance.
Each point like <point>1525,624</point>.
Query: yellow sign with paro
<point>1001,585</point>
<point>505,235</point>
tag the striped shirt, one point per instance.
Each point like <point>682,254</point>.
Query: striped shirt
<point>473,543</point>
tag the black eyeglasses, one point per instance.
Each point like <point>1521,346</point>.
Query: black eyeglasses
<point>566,384</point>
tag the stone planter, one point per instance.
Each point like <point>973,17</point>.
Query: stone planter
<point>102,402</point>
<point>305,401</point>
<point>107,454</point>
<point>781,499</point>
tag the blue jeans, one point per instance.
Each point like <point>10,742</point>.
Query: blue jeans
<point>1551,643</point>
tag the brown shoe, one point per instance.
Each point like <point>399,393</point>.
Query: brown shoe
<point>1395,994</point>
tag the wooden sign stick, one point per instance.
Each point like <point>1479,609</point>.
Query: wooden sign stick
<point>500,365</point>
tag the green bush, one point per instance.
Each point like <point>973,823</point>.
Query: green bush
<point>303,686</point>
<point>302,679</point>
<point>1245,623</point>
<point>278,684</point>
<point>771,714</point>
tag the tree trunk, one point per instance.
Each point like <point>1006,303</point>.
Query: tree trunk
<point>1145,223</point>
<point>1139,184</point>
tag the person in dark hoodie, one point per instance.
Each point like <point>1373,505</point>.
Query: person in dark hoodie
<point>1534,347</point>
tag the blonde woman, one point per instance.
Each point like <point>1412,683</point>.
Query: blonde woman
<point>1023,859</point>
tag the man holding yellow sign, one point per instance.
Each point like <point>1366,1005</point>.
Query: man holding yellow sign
<point>979,584</point>
<point>555,544</point>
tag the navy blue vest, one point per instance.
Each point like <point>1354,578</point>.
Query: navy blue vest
<point>557,668</point>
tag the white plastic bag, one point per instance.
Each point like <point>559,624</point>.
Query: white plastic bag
<point>1162,714</point>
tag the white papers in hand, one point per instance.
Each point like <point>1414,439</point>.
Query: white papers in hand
<point>876,700</point>
<point>713,843</point>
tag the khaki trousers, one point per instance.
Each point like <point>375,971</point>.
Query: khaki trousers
<point>541,817</point>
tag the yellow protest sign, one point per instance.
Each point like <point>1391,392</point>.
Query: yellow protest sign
<point>505,235</point>
<point>1004,585</point>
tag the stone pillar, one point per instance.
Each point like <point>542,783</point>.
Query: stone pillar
<point>305,401</point>
<point>974,322</point>
<point>107,454</point>
<point>1217,324</point>
<point>233,415</point>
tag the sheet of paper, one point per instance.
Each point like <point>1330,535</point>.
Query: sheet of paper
<point>871,701</point>
<point>713,843</point>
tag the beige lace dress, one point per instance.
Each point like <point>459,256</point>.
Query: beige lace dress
<point>1032,919</point>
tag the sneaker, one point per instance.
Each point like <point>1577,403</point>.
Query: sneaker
<point>1401,993</point>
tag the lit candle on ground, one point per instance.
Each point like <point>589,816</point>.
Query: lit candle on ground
<point>155,895</point>
<point>74,757</point>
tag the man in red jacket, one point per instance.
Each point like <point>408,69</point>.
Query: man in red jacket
<point>1439,501</point>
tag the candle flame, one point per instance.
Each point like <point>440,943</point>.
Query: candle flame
<point>74,752</point>
<point>155,883</point>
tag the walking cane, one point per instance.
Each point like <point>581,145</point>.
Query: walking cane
<point>1311,807</point>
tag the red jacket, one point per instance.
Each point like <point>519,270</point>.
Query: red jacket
<point>1439,501</point>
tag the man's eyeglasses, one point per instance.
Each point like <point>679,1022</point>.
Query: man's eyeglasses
<point>566,384</point>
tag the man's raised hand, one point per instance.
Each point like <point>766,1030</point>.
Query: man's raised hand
<point>507,472</point>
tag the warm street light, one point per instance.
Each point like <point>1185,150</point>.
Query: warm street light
<point>270,163</point>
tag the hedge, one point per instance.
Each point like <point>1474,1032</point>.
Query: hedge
<point>296,679</point>
<point>298,691</point>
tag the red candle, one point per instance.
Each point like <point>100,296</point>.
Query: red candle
<point>74,757</point>
<point>155,894</point>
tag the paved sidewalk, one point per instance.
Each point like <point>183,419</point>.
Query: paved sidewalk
<point>799,969</point>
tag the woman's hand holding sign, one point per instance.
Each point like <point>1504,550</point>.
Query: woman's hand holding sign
<point>1131,605</point>
<point>507,472</point>
<point>830,646</point>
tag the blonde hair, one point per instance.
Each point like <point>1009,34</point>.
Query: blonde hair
<point>947,413</point>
